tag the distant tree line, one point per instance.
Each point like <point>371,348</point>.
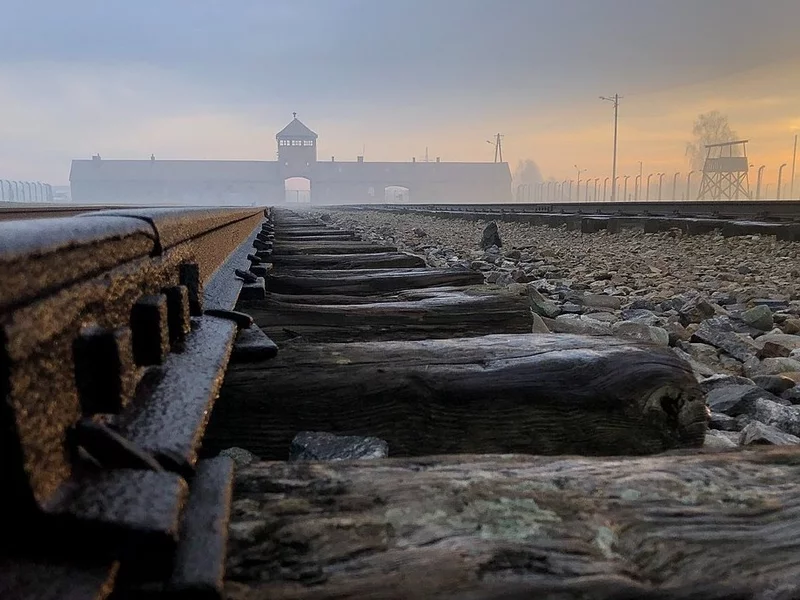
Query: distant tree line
<point>709,128</point>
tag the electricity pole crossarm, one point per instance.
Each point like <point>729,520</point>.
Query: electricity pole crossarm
<point>615,100</point>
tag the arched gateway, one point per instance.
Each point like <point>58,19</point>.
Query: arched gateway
<point>253,182</point>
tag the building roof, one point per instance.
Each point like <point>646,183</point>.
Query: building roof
<point>295,129</point>
<point>389,173</point>
<point>173,170</point>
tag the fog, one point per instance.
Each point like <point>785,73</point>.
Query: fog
<point>396,81</point>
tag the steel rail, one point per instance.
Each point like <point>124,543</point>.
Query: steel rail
<point>116,327</point>
<point>764,210</point>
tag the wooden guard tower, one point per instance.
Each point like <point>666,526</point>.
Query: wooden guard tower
<point>725,172</point>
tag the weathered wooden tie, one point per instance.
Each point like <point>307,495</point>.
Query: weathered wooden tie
<point>377,260</point>
<point>429,315</point>
<point>323,247</point>
<point>690,527</point>
<point>359,282</point>
<point>536,394</point>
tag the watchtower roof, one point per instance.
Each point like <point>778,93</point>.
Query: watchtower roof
<point>721,144</point>
<point>296,129</point>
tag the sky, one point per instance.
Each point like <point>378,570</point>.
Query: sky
<point>208,79</point>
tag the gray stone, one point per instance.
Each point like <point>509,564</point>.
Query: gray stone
<point>317,445</point>
<point>776,366</point>
<point>792,395</point>
<point>771,303</point>
<point>723,298</point>
<point>773,350</point>
<point>723,422</point>
<point>571,308</point>
<point>641,332</point>
<point>541,305</point>
<point>639,315</point>
<point>695,310</point>
<point>539,326</point>
<point>677,333</point>
<point>785,418</point>
<point>709,356</point>
<point>699,369</point>
<point>756,433</point>
<point>517,289</point>
<point>480,265</point>
<point>774,384</point>
<point>675,304</point>
<point>580,325</point>
<point>504,279</point>
<point>726,323</point>
<point>599,301</point>
<point>491,237</point>
<point>791,326</point>
<point>643,304</point>
<point>240,456</point>
<point>790,342</point>
<point>519,276</point>
<point>724,340</point>
<point>605,317</point>
<point>735,400</point>
<point>543,285</point>
<point>718,381</point>
<point>759,316</point>
<point>733,436</point>
<point>717,442</point>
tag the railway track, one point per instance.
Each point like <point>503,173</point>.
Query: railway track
<point>762,210</point>
<point>781,219</point>
<point>140,346</point>
<point>16,211</point>
<point>13,211</point>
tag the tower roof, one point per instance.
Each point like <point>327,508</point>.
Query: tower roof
<point>296,129</point>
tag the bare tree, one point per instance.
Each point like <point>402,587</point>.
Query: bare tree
<point>527,171</point>
<point>709,128</point>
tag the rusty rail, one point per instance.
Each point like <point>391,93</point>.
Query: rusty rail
<point>116,327</point>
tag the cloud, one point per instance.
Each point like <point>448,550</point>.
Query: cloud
<point>214,78</point>
<point>362,50</point>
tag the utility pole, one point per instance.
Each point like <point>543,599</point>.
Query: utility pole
<point>615,100</point>
<point>498,147</point>
<point>794,163</point>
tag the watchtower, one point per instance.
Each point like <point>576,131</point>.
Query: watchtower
<point>297,149</point>
<point>725,172</point>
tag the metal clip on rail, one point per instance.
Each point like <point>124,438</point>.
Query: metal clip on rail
<point>116,328</point>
